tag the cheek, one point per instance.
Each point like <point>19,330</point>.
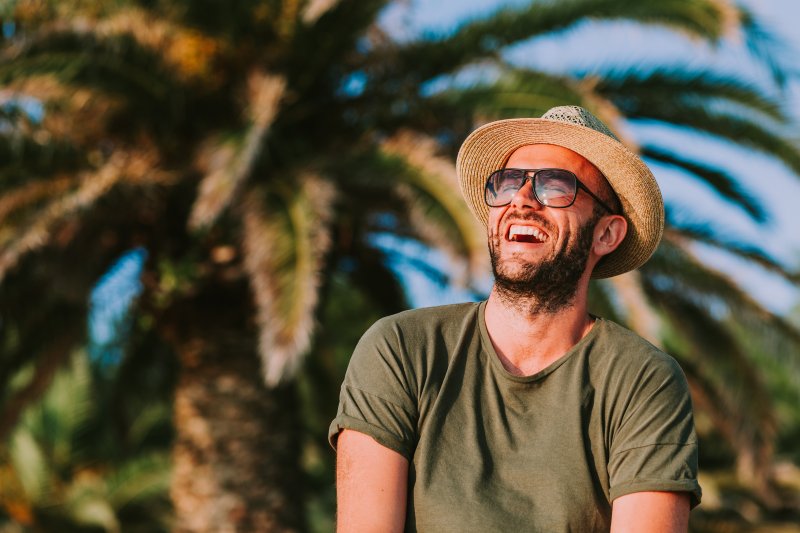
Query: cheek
<point>568,232</point>
<point>492,227</point>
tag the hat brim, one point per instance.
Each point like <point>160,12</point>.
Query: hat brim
<point>489,147</point>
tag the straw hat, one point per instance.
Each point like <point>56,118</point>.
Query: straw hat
<point>489,147</point>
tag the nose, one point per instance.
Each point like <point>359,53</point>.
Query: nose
<point>525,196</point>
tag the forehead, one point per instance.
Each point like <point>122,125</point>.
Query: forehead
<point>551,156</point>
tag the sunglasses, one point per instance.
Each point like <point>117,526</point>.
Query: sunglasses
<point>552,187</point>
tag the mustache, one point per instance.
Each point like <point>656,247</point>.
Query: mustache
<point>515,217</point>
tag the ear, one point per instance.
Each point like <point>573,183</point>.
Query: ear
<point>608,234</point>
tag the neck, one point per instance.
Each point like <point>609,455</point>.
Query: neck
<point>527,336</point>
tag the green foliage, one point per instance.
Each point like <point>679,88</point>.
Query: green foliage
<point>66,468</point>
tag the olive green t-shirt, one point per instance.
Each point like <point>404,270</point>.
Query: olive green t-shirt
<point>491,451</point>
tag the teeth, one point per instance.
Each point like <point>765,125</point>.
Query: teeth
<point>515,230</point>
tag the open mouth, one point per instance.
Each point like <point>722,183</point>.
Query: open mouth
<point>518,233</point>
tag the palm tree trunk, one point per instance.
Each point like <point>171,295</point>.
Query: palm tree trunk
<point>236,453</point>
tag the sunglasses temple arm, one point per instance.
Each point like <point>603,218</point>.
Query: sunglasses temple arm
<point>593,195</point>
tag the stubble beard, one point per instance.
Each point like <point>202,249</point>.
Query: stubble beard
<point>549,285</point>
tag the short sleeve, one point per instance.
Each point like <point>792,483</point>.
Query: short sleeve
<point>655,447</point>
<point>378,395</point>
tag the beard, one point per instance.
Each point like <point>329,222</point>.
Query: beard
<point>547,286</point>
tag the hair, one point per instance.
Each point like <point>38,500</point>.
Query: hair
<point>608,194</point>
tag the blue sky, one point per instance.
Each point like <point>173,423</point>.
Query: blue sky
<point>594,44</point>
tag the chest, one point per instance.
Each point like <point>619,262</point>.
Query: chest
<point>529,456</point>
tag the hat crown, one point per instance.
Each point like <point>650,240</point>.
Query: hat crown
<point>580,116</point>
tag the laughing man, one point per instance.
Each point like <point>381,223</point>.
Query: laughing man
<point>525,412</point>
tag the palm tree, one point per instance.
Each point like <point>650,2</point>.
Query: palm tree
<point>254,149</point>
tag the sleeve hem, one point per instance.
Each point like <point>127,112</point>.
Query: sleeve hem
<point>662,485</point>
<point>381,436</point>
<point>653,445</point>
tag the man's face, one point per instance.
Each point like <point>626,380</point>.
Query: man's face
<point>540,251</point>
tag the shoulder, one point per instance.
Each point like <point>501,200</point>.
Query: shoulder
<point>623,363</point>
<point>402,349</point>
<point>439,313</point>
<point>427,320</point>
<point>618,345</point>
<point>420,338</point>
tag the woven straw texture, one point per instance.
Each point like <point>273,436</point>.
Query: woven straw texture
<point>489,147</point>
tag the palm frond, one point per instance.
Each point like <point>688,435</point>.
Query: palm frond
<point>436,177</point>
<point>675,267</point>
<point>229,165</point>
<point>93,186</point>
<point>30,466</point>
<point>85,58</point>
<point>743,131</point>
<point>678,232</point>
<point>37,155</point>
<point>53,480</point>
<point>43,373</point>
<point>86,504</point>
<point>14,500</point>
<point>740,404</point>
<point>116,65</point>
<point>189,53</point>
<point>371,275</point>
<point>31,193</point>
<point>38,12</point>
<point>517,92</point>
<point>283,255</point>
<point>139,479</point>
<point>64,411</point>
<point>521,92</point>
<point>635,89</point>
<point>59,107</point>
<point>327,46</point>
<point>484,37</point>
<point>722,183</point>
<point>314,9</point>
<point>711,340</point>
<point>766,46</point>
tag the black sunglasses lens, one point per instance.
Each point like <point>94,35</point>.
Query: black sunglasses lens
<point>502,185</point>
<point>555,187</point>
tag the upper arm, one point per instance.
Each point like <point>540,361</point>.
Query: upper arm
<point>656,512</point>
<point>371,484</point>
<point>379,394</point>
<point>653,445</point>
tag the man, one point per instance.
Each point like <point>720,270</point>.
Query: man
<point>525,412</point>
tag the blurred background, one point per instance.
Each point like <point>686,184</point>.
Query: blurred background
<point>204,204</point>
